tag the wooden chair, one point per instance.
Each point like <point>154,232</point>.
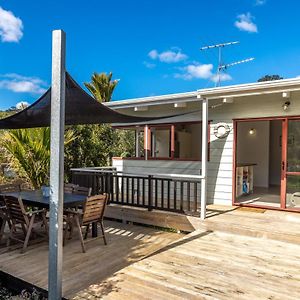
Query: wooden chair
<point>93,212</point>
<point>10,188</point>
<point>26,219</point>
<point>80,190</point>
<point>77,190</point>
<point>70,187</point>
<point>4,218</point>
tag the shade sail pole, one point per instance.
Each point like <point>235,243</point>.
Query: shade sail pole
<point>57,165</point>
<point>204,158</point>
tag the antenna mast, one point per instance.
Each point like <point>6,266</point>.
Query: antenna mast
<point>221,66</point>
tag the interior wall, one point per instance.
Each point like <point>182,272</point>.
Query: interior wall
<point>162,142</point>
<point>255,149</point>
<point>275,152</point>
<point>196,130</point>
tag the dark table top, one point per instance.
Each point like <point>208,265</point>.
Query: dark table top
<point>36,198</point>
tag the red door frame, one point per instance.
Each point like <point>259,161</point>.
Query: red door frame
<point>284,172</point>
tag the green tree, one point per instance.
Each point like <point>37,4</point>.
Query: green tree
<point>29,151</point>
<point>97,144</point>
<point>270,78</point>
<point>102,86</point>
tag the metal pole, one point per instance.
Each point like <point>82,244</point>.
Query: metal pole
<point>57,165</point>
<point>204,158</point>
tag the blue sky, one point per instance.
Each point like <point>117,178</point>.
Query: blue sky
<point>151,46</point>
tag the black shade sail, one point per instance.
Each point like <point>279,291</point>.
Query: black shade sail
<point>80,108</point>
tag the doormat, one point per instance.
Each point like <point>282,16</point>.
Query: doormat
<point>252,209</point>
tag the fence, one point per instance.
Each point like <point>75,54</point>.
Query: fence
<point>181,195</point>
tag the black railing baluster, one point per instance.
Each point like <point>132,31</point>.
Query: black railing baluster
<point>117,188</point>
<point>188,187</point>
<point>144,192</point>
<point>175,194</point>
<point>181,195</point>
<point>122,189</point>
<point>127,189</point>
<point>195,196</point>
<point>138,191</point>
<point>156,193</point>
<point>150,195</point>
<point>169,192</point>
<point>162,193</point>
<point>112,197</point>
<point>132,190</point>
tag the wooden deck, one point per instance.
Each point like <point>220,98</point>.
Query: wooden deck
<point>126,244</point>
<point>208,265</point>
<point>236,253</point>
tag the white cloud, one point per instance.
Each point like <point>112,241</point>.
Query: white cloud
<point>22,84</point>
<point>222,76</point>
<point>153,54</point>
<point>170,56</point>
<point>149,65</point>
<point>244,22</point>
<point>201,71</point>
<point>260,2</point>
<point>22,105</point>
<point>10,26</point>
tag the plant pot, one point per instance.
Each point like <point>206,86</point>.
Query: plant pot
<point>45,191</point>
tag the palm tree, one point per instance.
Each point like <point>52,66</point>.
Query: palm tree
<point>30,149</point>
<point>102,86</point>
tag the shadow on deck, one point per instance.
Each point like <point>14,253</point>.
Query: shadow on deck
<point>126,244</point>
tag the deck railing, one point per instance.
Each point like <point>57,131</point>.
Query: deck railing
<point>162,192</point>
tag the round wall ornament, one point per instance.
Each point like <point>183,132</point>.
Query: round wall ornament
<point>221,130</point>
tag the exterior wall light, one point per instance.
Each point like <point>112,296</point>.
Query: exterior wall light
<point>252,131</point>
<point>286,105</point>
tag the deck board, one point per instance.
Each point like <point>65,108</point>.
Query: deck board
<point>208,265</point>
<point>126,244</point>
<point>238,254</point>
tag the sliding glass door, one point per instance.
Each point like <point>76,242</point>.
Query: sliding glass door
<point>267,163</point>
<point>291,165</point>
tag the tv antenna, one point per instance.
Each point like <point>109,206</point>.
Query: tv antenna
<point>222,67</point>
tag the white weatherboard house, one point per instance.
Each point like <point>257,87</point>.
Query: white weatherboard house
<point>253,151</point>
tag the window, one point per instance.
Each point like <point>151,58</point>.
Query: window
<point>180,141</point>
<point>161,142</point>
<point>188,141</point>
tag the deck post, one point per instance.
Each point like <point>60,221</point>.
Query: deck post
<point>57,165</point>
<point>137,142</point>
<point>146,141</point>
<point>204,158</point>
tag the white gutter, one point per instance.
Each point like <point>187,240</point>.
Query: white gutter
<point>155,100</point>
<point>240,90</point>
<point>252,89</point>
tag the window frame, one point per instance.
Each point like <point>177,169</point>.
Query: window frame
<point>172,141</point>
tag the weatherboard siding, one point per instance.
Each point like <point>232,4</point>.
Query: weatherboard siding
<point>220,165</point>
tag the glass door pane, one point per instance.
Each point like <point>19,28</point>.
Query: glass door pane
<point>293,146</point>
<point>293,165</point>
<point>293,191</point>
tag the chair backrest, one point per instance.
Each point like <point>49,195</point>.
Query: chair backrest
<point>10,188</point>
<point>69,187</point>
<point>93,209</point>
<point>16,210</point>
<point>80,190</point>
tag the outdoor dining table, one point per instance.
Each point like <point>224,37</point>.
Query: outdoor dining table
<point>35,198</point>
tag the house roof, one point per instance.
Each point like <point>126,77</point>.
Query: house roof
<point>249,89</point>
